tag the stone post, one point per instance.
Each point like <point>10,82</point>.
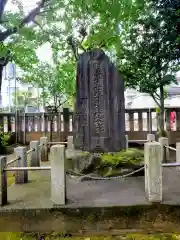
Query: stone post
<point>153,171</point>
<point>34,155</point>
<point>178,155</point>
<point>21,176</point>
<point>58,185</point>
<point>127,144</point>
<point>70,145</point>
<point>3,162</point>
<point>44,149</point>
<point>150,137</point>
<point>164,151</point>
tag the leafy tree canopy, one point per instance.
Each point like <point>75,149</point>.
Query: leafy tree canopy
<point>149,54</point>
<point>22,32</point>
<point>57,82</point>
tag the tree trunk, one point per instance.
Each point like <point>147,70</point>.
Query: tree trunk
<point>161,129</point>
<point>1,75</point>
<point>51,127</point>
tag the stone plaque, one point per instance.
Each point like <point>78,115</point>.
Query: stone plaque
<point>99,125</point>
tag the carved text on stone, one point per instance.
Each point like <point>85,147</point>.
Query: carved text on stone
<point>98,98</point>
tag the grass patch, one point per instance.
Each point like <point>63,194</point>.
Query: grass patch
<point>10,178</point>
<point>58,236</point>
<point>11,175</point>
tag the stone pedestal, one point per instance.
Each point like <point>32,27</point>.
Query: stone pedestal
<point>99,122</point>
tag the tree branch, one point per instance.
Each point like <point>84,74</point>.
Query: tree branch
<point>2,6</point>
<point>27,19</point>
<point>60,104</point>
<point>154,98</point>
<point>157,95</point>
<point>38,24</point>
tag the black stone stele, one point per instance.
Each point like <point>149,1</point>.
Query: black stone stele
<point>99,121</point>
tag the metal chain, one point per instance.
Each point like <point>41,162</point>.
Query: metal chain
<point>104,178</point>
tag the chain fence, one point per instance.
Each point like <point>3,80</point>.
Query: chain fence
<point>89,177</point>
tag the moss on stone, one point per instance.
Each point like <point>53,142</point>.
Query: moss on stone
<point>106,164</point>
<point>130,156</point>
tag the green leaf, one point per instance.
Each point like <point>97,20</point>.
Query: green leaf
<point>168,79</point>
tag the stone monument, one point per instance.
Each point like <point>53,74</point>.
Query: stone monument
<point>99,120</point>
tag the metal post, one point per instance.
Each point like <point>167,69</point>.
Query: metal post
<point>126,139</point>
<point>34,155</point>
<point>164,151</point>
<point>3,162</point>
<point>149,122</point>
<point>178,155</point>
<point>24,137</point>
<point>16,124</point>
<point>9,99</point>
<point>70,145</point>
<point>21,176</point>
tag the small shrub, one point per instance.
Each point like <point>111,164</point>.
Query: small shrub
<point>131,156</point>
<point>4,141</point>
<point>161,133</point>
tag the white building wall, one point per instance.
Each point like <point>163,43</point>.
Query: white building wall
<point>9,85</point>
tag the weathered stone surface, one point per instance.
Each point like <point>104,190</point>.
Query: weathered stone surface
<point>80,160</point>
<point>99,122</point>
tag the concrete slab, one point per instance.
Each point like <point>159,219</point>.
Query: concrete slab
<point>105,193</point>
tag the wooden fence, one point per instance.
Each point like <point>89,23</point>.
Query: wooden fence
<point>31,126</point>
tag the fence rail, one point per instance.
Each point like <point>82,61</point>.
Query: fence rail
<point>174,164</point>
<point>27,168</point>
<point>30,150</point>
<point>169,147</point>
<point>31,126</point>
<point>13,160</point>
<point>51,143</point>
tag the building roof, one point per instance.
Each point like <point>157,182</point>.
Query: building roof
<point>174,89</point>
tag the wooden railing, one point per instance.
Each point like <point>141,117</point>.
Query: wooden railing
<point>31,126</point>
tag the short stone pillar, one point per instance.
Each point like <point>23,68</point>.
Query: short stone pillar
<point>21,176</point>
<point>150,137</point>
<point>70,145</point>
<point>164,151</point>
<point>34,155</point>
<point>44,149</point>
<point>3,165</point>
<point>153,171</point>
<point>58,183</point>
<point>127,144</point>
<point>178,155</point>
